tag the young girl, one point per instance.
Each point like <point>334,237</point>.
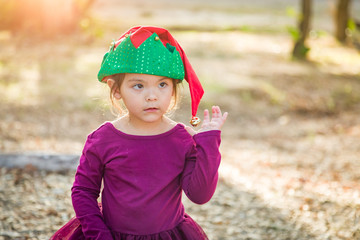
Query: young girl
<point>144,159</point>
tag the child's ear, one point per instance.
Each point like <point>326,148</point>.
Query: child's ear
<point>116,92</point>
<point>117,95</point>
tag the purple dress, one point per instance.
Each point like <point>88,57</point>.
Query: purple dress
<point>144,177</point>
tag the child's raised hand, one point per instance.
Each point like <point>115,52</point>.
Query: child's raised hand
<point>215,123</point>
<point>218,119</point>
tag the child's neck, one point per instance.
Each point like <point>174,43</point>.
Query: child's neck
<point>129,126</point>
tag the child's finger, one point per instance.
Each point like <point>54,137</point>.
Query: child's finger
<point>206,116</point>
<point>218,114</point>
<point>218,111</point>
<point>215,112</point>
<point>224,117</point>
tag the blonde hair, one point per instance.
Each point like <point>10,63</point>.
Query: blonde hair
<point>118,107</point>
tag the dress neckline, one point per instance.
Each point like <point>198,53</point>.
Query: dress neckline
<point>132,136</point>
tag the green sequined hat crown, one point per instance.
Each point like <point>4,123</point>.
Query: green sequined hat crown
<point>151,57</point>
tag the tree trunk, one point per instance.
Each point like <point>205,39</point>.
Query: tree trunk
<point>300,50</point>
<point>341,19</point>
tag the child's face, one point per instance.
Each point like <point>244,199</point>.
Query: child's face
<point>146,97</point>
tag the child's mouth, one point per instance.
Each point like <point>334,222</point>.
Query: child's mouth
<point>151,109</point>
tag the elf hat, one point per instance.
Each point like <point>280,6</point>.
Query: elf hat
<point>152,50</point>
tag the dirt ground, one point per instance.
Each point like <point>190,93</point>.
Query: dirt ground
<point>290,147</point>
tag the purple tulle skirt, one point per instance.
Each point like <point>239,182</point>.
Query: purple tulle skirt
<point>186,230</point>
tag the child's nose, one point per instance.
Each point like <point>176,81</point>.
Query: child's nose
<point>151,95</point>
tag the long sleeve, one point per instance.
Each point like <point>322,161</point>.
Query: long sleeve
<point>200,175</point>
<point>85,193</point>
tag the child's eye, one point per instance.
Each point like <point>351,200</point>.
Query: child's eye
<point>138,86</point>
<point>163,84</point>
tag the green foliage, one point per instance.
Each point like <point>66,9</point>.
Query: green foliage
<point>318,33</point>
<point>353,33</point>
<point>300,51</point>
<point>351,25</point>
<point>291,12</point>
<point>246,28</point>
<point>294,32</point>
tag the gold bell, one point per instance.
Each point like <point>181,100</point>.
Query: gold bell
<point>195,121</point>
<point>157,38</point>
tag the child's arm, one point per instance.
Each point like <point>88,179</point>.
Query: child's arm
<point>200,174</point>
<point>85,193</point>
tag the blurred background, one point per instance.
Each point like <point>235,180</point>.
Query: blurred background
<point>287,71</point>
